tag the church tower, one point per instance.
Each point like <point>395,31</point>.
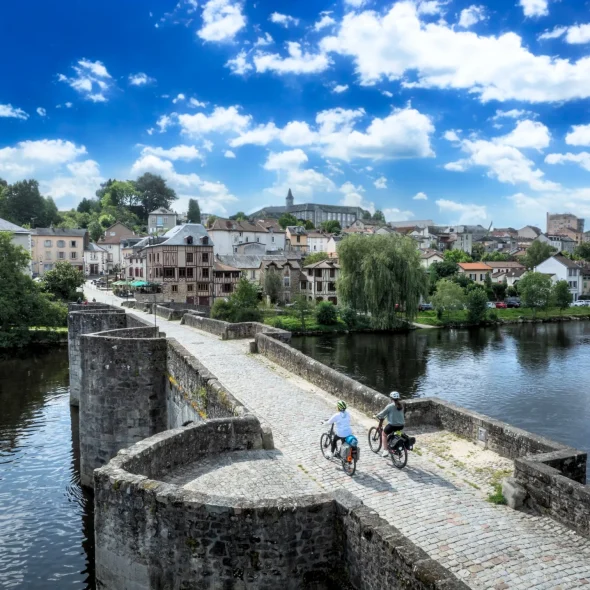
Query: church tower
<point>289,199</point>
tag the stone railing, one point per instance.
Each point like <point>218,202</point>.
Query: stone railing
<point>230,331</point>
<point>323,540</point>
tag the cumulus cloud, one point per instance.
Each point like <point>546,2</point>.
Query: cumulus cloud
<point>283,19</point>
<point>80,183</point>
<point>165,121</point>
<point>193,102</point>
<point>92,80</point>
<point>297,62</point>
<point>532,8</point>
<point>420,197</point>
<point>527,134</point>
<point>574,35</point>
<point>471,16</point>
<point>381,182</point>
<point>221,120</point>
<point>41,112</point>
<point>451,135</point>
<point>340,88</point>
<point>353,197</point>
<point>579,135</point>
<point>387,93</point>
<point>395,214</point>
<point>140,79</point>
<point>229,154</point>
<point>7,110</point>
<point>582,159</point>
<point>179,98</point>
<point>263,41</point>
<point>392,45</point>
<point>179,152</point>
<point>222,20</point>
<point>512,114</point>
<point>239,65</point>
<point>325,21</point>
<point>463,213</point>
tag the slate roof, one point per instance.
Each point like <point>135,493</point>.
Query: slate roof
<point>508,264</point>
<point>92,247</point>
<point>162,211</point>
<point>430,253</point>
<point>240,261</point>
<point>323,264</point>
<point>59,231</point>
<point>232,225</point>
<point>12,227</point>
<point>565,261</point>
<point>178,234</point>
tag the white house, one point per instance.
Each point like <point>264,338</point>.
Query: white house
<point>332,245</point>
<point>95,260</point>
<point>563,269</point>
<point>317,242</point>
<point>20,237</point>
<point>562,243</point>
<point>228,235</point>
<point>111,242</point>
<point>427,257</point>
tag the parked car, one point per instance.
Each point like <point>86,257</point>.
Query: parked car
<point>512,302</point>
<point>425,307</point>
<point>581,303</point>
<point>501,305</point>
<point>491,305</point>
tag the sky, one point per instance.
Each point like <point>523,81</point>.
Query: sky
<point>443,110</point>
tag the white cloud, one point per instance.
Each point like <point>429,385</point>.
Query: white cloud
<point>451,135</point>
<point>179,98</point>
<point>298,62</point>
<point>81,183</point>
<point>381,182</point>
<point>527,134</point>
<point>339,88</point>
<point>140,79</point>
<point>222,20</point>
<point>229,154</point>
<point>51,152</point>
<point>283,19</point>
<point>582,158</point>
<point>69,105</point>
<point>7,110</point>
<point>165,121</point>
<point>354,198</point>
<point>532,208</point>
<point>92,80</point>
<point>579,135</point>
<point>193,102</point>
<point>467,213</point>
<point>387,93</point>
<point>553,34</point>
<point>512,114</point>
<point>430,7</point>
<point>207,145</point>
<point>179,152</point>
<point>239,65</point>
<point>471,16</point>
<point>395,214</point>
<point>574,35</point>
<point>325,21</point>
<point>41,112</point>
<point>263,41</point>
<point>397,43</point>
<point>534,7</point>
<point>150,131</point>
<point>420,197</point>
<point>355,3</point>
<point>221,120</point>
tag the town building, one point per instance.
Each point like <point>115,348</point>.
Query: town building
<point>290,272</point>
<point>332,246</point>
<point>225,279</point>
<point>419,223</point>
<point>182,262</point>
<point>562,243</point>
<point>50,245</point>
<point>313,212</point>
<point>128,247</point>
<point>318,281</point>
<point>296,239</point>
<point>95,260</point>
<point>428,257</point>
<point>111,242</point>
<point>506,266</point>
<point>509,277</point>
<point>501,244</point>
<point>228,235</point>
<point>557,222</point>
<point>529,231</point>
<point>562,268</point>
<point>585,266</point>
<point>476,271</point>
<point>365,226</point>
<point>505,232</point>
<point>317,241</point>
<point>19,237</point>
<point>161,220</point>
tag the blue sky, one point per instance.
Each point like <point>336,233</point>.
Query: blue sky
<point>452,111</point>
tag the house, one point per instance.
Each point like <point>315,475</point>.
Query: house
<point>428,256</point>
<point>290,272</point>
<point>576,236</point>
<point>296,239</point>
<point>182,262</point>
<point>508,276</point>
<point>491,243</point>
<point>318,281</point>
<point>250,266</point>
<point>504,266</point>
<point>419,223</point>
<point>585,266</point>
<point>563,269</point>
<point>161,220</point>
<point>562,243</point>
<point>476,271</point>
<point>228,235</point>
<point>317,241</point>
<point>95,260</point>
<point>111,242</point>
<point>505,232</point>
<point>19,237</point>
<point>331,246</point>
<point>557,222</point>
<point>50,245</point>
<point>369,226</point>
<point>135,256</point>
<point>128,247</point>
<point>225,279</point>
<point>385,230</point>
<point>529,231</point>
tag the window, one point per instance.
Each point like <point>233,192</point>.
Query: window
<point>189,257</point>
<point>482,277</point>
<point>203,287</point>
<point>61,255</point>
<point>319,286</point>
<point>247,239</point>
<point>141,272</point>
<point>72,243</point>
<point>73,255</point>
<point>241,234</point>
<point>169,273</point>
<point>205,273</point>
<point>205,257</point>
<point>159,221</point>
<point>273,239</point>
<point>190,287</point>
<point>287,281</point>
<point>310,272</point>
<point>174,288</point>
<point>332,273</point>
<point>227,287</point>
<point>165,220</point>
<point>190,273</point>
<point>130,272</point>
<point>182,273</point>
<point>318,272</point>
<point>252,274</point>
<point>303,285</point>
<point>61,243</point>
<point>331,286</point>
<point>158,257</point>
<point>48,243</point>
<point>298,239</point>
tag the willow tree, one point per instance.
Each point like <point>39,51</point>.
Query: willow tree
<point>381,276</point>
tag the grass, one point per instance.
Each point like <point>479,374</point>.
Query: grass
<point>497,497</point>
<point>48,329</point>
<point>294,324</point>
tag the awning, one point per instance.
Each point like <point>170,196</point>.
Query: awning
<point>119,283</point>
<point>139,284</point>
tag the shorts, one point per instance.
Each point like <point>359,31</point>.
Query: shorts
<point>392,428</point>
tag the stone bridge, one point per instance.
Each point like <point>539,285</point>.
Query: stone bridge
<point>219,481</point>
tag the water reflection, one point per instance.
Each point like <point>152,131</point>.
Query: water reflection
<point>536,376</point>
<point>46,521</point>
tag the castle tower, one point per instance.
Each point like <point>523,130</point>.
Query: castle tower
<point>289,199</point>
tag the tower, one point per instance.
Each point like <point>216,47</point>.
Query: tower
<point>289,199</point>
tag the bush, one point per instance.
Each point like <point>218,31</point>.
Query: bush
<point>349,317</point>
<point>247,315</point>
<point>477,305</point>
<point>222,310</point>
<point>326,313</point>
<point>493,315</point>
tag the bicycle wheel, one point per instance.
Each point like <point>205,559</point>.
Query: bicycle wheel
<point>399,455</point>
<point>375,439</point>
<point>326,445</point>
<point>349,466</point>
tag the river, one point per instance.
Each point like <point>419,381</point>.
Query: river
<point>534,376</point>
<point>46,519</point>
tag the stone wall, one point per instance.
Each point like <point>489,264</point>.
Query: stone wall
<point>122,395</point>
<point>168,313</point>
<point>230,331</point>
<point>154,535</point>
<point>86,319</point>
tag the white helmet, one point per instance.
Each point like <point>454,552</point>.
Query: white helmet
<point>394,395</point>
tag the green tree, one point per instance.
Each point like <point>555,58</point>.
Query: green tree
<point>194,211</point>
<point>448,297</point>
<point>326,313</point>
<point>489,286</point>
<point>378,216</point>
<point>381,276</point>
<point>496,257</point>
<point>535,291</point>
<point>477,306</point>
<point>538,252</point>
<point>442,270</point>
<point>22,203</point>
<point>561,295</point>
<point>511,292</point>
<point>95,230</point>
<point>121,193</point>
<point>315,257</point>
<point>153,192</point>
<point>499,290</point>
<point>331,226</point>
<point>286,219</point>
<point>366,215</point>
<point>211,220</point>
<point>456,256</point>
<point>308,225</point>
<point>583,251</point>
<point>273,285</point>
<point>88,206</point>
<point>239,216</point>
<point>63,281</point>
<point>478,252</point>
<point>301,308</point>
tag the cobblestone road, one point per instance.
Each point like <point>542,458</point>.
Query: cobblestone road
<point>431,501</point>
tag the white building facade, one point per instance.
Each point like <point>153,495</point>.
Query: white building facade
<point>317,242</point>
<point>563,269</point>
<point>228,235</point>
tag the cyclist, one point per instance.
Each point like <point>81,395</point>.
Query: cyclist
<point>341,421</point>
<point>395,414</point>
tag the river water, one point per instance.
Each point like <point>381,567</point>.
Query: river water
<point>46,519</point>
<point>534,376</point>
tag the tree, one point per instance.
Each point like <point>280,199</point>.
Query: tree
<point>331,227</point>
<point>477,306</point>
<point>63,281</point>
<point>561,295</point>
<point>315,257</point>
<point>442,270</point>
<point>378,216</point>
<point>456,256</point>
<point>273,285</point>
<point>366,215</point>
<point>52,216</point>
<point>496,257</point>
<point>194,211</point>
<point>211,220</point>
<point>538,252</point>
<point>308,225</point>
<point>326,314</point>
<point>499,290</point>
<point>489,286</point>
<point>152,192</point>
<point>88,206</point>
<point>241,305</point>
<point>301,308</point>
<point>95,230</point>
<point>583,251</point>
<point>239,216</point>
<point>121,193</point>
<point>22,203</point>
<point>381,275</point>
<point>535,291</point>
<point>478,252</point>
<point>511,292</point>
<point>448,297</point>
<point>286,219</point>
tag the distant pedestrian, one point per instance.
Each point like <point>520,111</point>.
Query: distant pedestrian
<point>94,300</point>
<point>79,300</point>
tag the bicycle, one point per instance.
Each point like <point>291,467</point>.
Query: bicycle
<point>351,458</point>
<point>397,443</point>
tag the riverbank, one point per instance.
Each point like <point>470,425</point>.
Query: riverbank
<point>32,337</point>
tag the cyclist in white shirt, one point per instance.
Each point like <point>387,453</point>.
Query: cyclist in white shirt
<point>341,422</point>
